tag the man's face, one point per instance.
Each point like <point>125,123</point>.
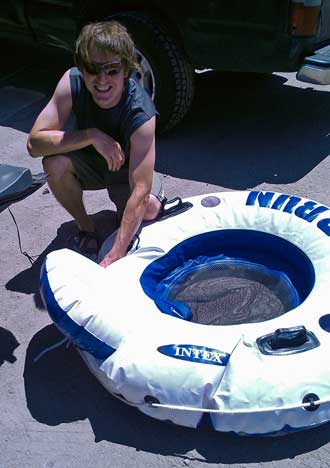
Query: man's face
<point>105,79</point>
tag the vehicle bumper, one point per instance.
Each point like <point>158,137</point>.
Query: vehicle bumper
<point>316,68</point>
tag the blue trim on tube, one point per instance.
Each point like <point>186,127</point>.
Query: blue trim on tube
<point>76,333</point>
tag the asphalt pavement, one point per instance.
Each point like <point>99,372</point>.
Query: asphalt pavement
<point>243,132</point>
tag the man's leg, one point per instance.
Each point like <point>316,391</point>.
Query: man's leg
<point>67,189</point>
<point>152,209</point>
<point>155,199</point>
<point>119,194</point>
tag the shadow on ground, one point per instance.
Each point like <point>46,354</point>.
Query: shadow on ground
<point>247,129</point>
<point>27,85</point>
<point>59,389</point>
<point>27,281</point>
<point>8,344</point>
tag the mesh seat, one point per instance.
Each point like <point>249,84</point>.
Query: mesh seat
<point>230,291</point>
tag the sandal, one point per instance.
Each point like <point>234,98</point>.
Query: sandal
<point>86,243</point>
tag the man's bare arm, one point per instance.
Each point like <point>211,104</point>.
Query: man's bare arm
<point>47,136</point>
<point>142,161</point>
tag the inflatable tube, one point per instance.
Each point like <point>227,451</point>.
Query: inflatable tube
<point>250,376</point>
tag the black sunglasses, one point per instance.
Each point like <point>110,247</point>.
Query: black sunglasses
<point>109,68</point>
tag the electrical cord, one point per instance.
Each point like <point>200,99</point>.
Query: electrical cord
<point>31,258</point>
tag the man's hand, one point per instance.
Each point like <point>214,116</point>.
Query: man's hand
<point>109,148</point>
<point>110,258</point>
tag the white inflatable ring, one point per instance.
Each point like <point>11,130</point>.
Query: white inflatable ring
<point>176,370</point>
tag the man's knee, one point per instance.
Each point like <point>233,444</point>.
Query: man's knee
<point>57,166</point>
<point>152,208</point>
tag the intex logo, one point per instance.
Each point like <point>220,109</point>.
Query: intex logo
<point>193,353</point>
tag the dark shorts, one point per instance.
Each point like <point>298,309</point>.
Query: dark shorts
<point>93,174</point>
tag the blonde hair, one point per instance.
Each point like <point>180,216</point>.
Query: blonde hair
<point>106,36</point>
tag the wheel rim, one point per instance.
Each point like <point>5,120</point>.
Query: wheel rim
<point>145,77</point>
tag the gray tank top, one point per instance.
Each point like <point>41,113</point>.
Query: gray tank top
<point>134,109</point>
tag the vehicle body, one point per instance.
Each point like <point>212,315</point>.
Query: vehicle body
<point>175,38</point>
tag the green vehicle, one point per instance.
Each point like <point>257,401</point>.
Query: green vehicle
<point>175,38</point>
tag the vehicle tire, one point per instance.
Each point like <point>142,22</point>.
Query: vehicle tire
<point>166,74</point>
